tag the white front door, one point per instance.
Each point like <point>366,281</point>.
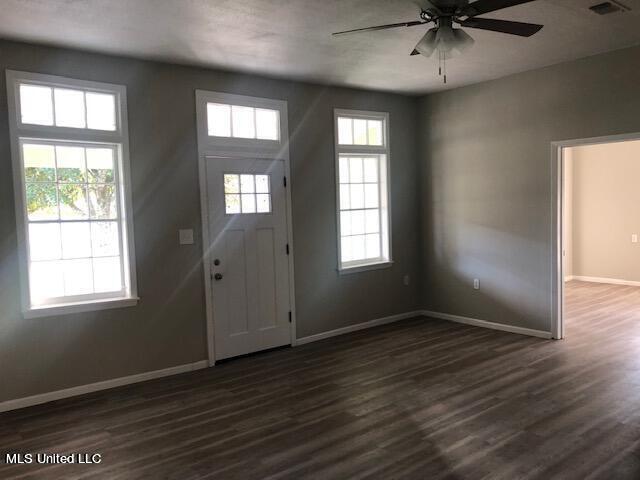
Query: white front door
<point>248,254</point>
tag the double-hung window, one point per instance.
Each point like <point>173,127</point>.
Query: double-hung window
<point>71,176</point>
<point>362,167</point>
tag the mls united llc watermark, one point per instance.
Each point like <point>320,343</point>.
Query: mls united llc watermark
<point>52,458</point>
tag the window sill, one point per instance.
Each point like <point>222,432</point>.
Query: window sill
<point>364,267</point>
<point>78,307</point>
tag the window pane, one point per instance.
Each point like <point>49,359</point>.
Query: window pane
<point>39,163</point>
<point>248,203</point>
<point>242,118</point>
<point>232,204</point>
<point>357,222</point>
<point>45,280</point>
<point>263,202</point>
<point>69,108</point>
<point>231,183</point>
<point>101,111</point>
<point>372,221</point>
<point>370,169</point>
<point>246,184</point>
<point>359,131</point>
<point>107,276</point>
<point>219,120</point>
<point>35,105</point>
<point>70,164</point>
<point>102,201</point>
<point>372,246</point>
<point>344,169</point>
<point>78,277</point>
<point>267,124</point>
<point>44,241</point>
<point>100,165</point>
<point>262,183</point>
<point>371,195</point>
<point>345,223</point>
<point>375,132</point>
<point>358,251</point>
<point>345,131</point>
<point>42,201</point>
<point>355,170</point>
<point>345,197</point>
<point>104,239</point>
<point>73,201</point>
<point>357,195</point>
<point>76,240</point>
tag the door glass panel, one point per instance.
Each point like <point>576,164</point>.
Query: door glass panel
<point>246,193</point>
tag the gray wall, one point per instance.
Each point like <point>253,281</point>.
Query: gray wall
<point>167,328</point>
<point>486,180</point>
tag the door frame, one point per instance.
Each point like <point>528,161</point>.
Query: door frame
<point>214,147</point>
<point>557,220</point>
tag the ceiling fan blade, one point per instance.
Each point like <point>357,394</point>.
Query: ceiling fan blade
<point>480,7</point>
<point>382,27</point>
<point>502,26</point>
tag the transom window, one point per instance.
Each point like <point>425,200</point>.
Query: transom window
<point>246,193</point>
<point>363,216</point>
<point>360,131</point>
<point>67,107</point>
<point>74,216</point>
<point>237,121</point>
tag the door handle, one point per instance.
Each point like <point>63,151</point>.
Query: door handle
<point>217,276</point>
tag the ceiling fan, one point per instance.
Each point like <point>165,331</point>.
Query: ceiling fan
<point>449,41</point>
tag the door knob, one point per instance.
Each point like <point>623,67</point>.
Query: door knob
<point>218,276</point>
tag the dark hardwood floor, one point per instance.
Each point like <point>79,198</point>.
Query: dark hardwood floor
<point>421,399</point>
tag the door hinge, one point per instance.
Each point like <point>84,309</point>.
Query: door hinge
<point>285,181</point>
<point>289,316</point>
<point>287,247</point>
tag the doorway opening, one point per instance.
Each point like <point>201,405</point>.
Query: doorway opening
<point>597,254</point>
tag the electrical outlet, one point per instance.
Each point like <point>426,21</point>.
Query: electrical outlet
<point>634,238</point>
<point>476,284</point>
<point>406,280</point>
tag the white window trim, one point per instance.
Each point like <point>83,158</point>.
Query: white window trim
<point>384,149</point>
<point>120,139</point>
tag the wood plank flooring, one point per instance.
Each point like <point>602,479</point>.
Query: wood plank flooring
<point>419,399</point>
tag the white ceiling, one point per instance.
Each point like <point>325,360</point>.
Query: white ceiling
<point>291,38</point>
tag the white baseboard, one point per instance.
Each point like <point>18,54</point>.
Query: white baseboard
<point>613,281</point>
<point>486,324</point>
<point>356,327</point>
<point>568,278</point>
<point>94,387</point>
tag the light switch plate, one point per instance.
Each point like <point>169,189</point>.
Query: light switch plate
<point>186,236</point>
<point>634,238</point>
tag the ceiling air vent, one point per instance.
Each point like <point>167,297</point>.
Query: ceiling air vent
<point>606,8</point>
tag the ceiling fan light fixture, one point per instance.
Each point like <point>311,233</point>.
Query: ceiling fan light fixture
<point>449,42</point>
<point>427,44</point>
